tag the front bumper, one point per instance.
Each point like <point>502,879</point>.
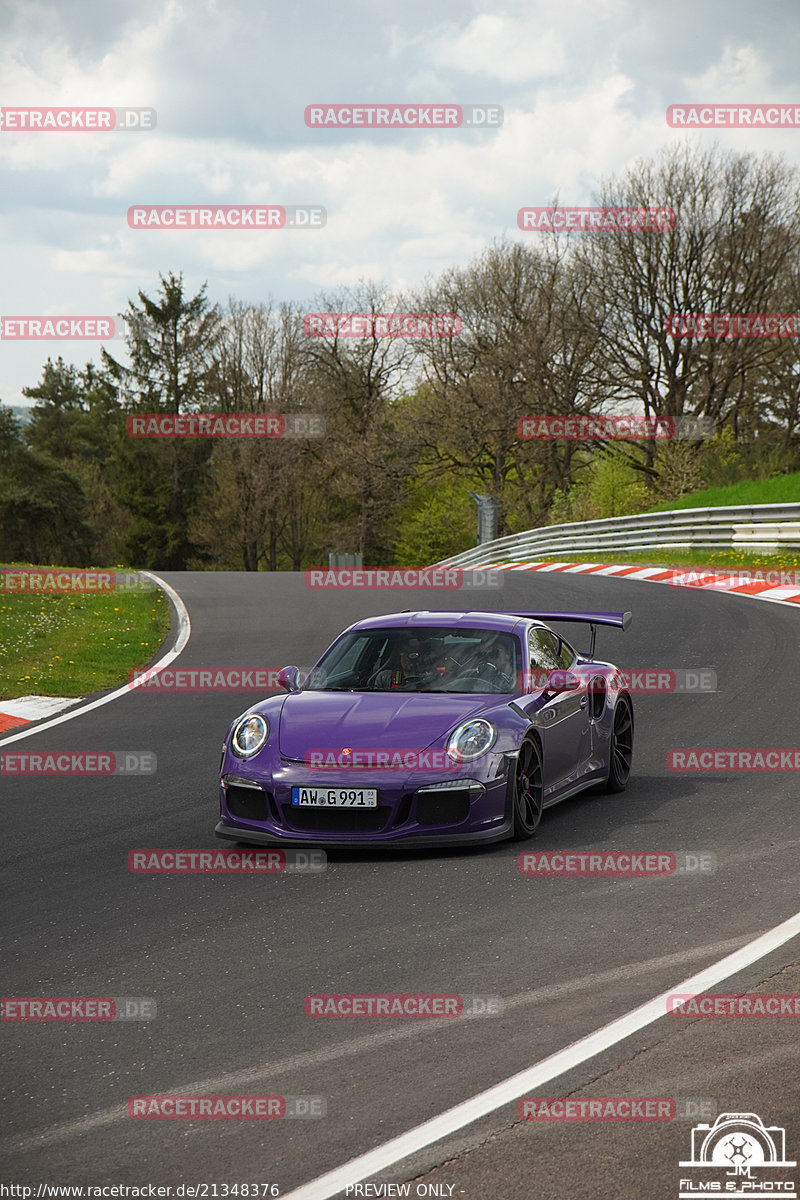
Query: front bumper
<point>414,809</point>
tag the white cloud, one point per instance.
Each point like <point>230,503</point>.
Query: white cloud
<point>500,47</point>
<point>584,85</point>
<point>740,74</point>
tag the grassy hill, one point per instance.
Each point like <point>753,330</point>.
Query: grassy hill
<point>782,489</point>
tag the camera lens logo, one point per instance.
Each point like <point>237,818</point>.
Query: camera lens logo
<point>741,1150</point>
<point>737,1155</point>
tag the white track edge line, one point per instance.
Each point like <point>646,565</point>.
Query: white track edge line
<point>184,633</point>
<point>480,1105</point>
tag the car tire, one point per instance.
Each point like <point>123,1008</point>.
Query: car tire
<point>620,751</point>
<point>528,790</point>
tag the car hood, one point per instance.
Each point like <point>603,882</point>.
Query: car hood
<point>370,720</point>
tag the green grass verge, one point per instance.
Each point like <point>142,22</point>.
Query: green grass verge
<point>781,489</point>
<point>72,644</point>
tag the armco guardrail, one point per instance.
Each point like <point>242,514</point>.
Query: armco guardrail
<point>759,528</point>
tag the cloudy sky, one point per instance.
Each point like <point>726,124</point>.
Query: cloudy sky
<point>584,85</point>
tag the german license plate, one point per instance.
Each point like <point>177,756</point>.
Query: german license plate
<point>319,797</point>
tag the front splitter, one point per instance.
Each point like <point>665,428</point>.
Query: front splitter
<point>259,837</point>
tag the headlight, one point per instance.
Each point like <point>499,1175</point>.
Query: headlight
<point>249,735</point>
<point>471,740</point>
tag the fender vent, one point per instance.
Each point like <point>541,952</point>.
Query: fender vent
<point>597,688</point>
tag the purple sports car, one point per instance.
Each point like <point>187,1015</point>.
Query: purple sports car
<point>428,728</point>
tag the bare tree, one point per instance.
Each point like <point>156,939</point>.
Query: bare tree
<point>737,228</point>
<point>526,348</point>
<point>356,381</point>
<point>262,489</point>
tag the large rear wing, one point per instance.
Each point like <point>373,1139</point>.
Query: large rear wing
<point>619,620</point>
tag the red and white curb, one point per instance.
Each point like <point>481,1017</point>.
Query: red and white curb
<point>758,589</point>
<point>32,708</point>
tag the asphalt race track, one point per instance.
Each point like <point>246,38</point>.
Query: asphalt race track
<point>229,959</point>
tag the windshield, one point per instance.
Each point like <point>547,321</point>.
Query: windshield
<point>419,660</point>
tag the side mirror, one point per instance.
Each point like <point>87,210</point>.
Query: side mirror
<point>288,679</point>
<point>562,681</point>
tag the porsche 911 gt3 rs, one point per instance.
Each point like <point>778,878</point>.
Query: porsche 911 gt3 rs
<point>428,728</point>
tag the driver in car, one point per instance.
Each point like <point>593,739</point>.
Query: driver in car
<point>499,664</point>
<point>412,669</point>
